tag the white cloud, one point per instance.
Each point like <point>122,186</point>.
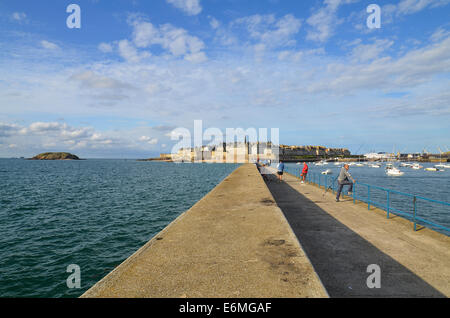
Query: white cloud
<point>149,140</point>
<point>56,134</point>
<point>176,41</point>
<point>296,56</point>
<point>144,138</point>
<point>49,45</point>
<point>105,47</point>
<point>412,6</point>
<point>196,57</point>
<point>190,7</point>
<point>415,67</point>
<point>92,80</point>
<point>41,127</point>
<point>440,34</point>
<point>19,16</point>
<point>7,130</point>
<point>325,20</point>
<point>214,23</point>
<point>271,31</point>
<point>408,7</point>
<point>130,53</point>
<point>435,104</point>
<point>145,34</point>
<point>368,52</point>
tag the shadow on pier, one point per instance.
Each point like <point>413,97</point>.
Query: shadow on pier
<point>339,255</point>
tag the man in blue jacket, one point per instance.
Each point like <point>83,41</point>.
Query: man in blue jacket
<point>280,171</point>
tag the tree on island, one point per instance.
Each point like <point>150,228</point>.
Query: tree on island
<point>55,156</point>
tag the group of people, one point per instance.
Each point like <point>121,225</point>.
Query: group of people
<point>280,171</point>
<point>344,178</point>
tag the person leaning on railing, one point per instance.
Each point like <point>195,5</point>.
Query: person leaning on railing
<point>344,179</point>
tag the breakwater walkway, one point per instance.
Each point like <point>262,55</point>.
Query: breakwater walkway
<point>343,239</point>
<point>235,242</point>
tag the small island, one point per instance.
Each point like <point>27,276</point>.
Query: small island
<point>55,156</point>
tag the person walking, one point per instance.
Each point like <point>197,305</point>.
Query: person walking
<point>304,172</point>
<point>344,179</point>
<point>280,171</point>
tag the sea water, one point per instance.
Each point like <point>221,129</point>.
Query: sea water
<point>93,213</point>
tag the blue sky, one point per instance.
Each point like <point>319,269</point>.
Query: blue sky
<point>138,69</point>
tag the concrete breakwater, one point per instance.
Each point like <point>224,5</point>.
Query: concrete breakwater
<point>235,242</point>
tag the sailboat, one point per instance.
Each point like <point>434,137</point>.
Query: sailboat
<point>440,165</point>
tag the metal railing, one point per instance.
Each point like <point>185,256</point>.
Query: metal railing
<point>371,197</point>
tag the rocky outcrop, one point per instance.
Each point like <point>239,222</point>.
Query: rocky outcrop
<point>55,156</point>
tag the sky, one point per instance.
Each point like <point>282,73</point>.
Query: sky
<point>135,70</point>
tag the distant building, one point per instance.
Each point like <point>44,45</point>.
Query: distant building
<point>243,152</point>
<point>379,156</point>
<point>293,152</point>
<point>413,156</point>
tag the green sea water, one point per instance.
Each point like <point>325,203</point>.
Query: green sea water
<point>92,213</point>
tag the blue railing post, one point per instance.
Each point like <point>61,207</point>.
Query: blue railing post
<point>354,193</point>
<point>368,197</point>
<point>388,203</point>
<point>332,186</point>
<point>415,209</point>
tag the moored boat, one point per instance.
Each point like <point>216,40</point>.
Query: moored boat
<point>433,169</point>
<point>394,172</point>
